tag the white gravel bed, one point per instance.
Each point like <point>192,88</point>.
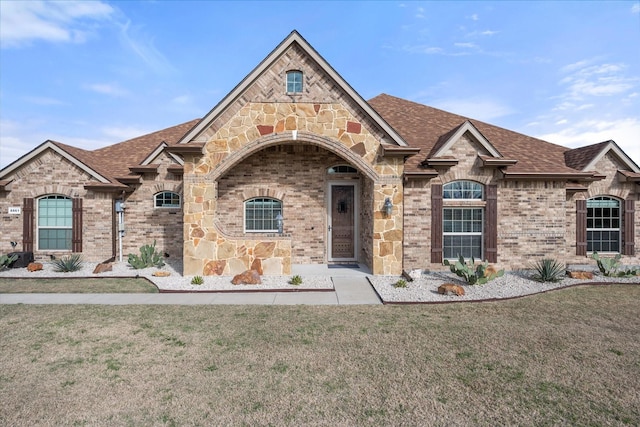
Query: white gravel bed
<point>424,287</point>
<point>177,282</point>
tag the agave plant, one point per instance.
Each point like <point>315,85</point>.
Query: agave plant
<point>6,260</point>
<point>548,270</point>
<point>67,264</point>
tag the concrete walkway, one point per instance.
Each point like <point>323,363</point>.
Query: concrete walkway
<point>348,290</point>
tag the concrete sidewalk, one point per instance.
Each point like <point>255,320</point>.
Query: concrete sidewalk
<point>348,290</point>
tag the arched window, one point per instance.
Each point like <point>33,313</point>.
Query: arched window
<point>603,224</point>
<point>339,169</point>
<point>294,81</point>
<point>260,215</point>
<point>462,227</point>
<point>167,199</point>
<point>55,222</point>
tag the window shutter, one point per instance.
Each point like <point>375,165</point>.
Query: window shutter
<point>27,225</point>
<point>436,223</point>
<point>491,224</point>
<point>581,227</point>
<point>629,227</point>
<point>76,233</point>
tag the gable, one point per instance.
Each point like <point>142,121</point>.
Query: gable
<point>266,84</point>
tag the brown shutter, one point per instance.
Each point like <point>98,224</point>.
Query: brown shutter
<point>436,223</point>
<point>629,227</point>
<point>581,227</point>
<point>491,224</point>
<point>27,225</point>
<point>76,233</point>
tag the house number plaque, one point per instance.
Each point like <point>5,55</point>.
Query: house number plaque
<point>14,210</point>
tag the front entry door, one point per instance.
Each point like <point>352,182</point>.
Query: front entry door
<point>342,223</point>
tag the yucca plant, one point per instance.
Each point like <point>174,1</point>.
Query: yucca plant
<point>197,280</point>
<point>296,280</point>
<point>548,270</point>
<point>401,283</point>
<point>68,263</point>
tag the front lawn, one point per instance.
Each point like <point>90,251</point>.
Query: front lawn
<point>106,285</point>
<point>569,357</point>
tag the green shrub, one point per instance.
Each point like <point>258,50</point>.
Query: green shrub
<point>68,263</point>
<point>149,257</point>
<point>549,270</point>
<point>5,260</point>
<point>401,283</point>
<point>296,280</point>
<point>607,266</point>
<point>473,274</point>
<point>197,280</point>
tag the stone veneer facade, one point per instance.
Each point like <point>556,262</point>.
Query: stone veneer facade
<point>284,151</point>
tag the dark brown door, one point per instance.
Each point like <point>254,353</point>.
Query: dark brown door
<point>342,222</point>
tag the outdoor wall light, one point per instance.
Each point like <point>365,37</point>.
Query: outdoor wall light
<point>280,222</point>
<point>388,207</point>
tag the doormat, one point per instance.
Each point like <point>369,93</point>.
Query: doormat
<point>344,266</point>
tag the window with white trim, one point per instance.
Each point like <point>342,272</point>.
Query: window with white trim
<point>462,226</point>
<point>167,199</point>
<point>604,222</point>
<point>55,223</point>
<point>294,81</point>
<point>260,215</point>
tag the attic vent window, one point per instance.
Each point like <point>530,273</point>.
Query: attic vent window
<point>294,81</point>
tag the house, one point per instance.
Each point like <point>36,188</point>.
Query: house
<point>293,166</point>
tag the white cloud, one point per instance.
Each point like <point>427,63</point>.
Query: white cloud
<point>119,134</point>
<point>635,8</point>
<point>106,89</point>
<point>144,47</point>
<point>475,108</point>
<point>41,100</point>
<point>625,132</point>
<point>596,80</point>
<point>23,22</point>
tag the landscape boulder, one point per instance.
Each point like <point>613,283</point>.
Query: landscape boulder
<point>101,268</point>
<point>583,275</point>
<point>34,266</point>
<point>450,288</point>
<point>249,277</point>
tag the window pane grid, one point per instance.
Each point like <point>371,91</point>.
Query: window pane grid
<point>294,81</point>
<point>167,199</point>
<point>54,223</point>
<point>462,190</point>
<point>260,215</point>
<point>462,232</point>
<point>603,225</point>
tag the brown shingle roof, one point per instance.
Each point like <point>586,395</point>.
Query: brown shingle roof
<point>426,127</point>
<point>579,158</point>
<point>119,157</point>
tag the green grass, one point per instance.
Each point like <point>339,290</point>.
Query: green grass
<point>570,357</point>
<point>76,285</point>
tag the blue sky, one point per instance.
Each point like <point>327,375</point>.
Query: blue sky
<point>94,73</point>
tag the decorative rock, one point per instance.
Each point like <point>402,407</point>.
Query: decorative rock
<point>249,277</point>
<point>583,275</point>
<point>257,266</point>
<point>34,266</point>
<point>491,269</point>
<point>214,268</point>
<point>161,273</point>
<point>101,268</point>
<point>450,288</point>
